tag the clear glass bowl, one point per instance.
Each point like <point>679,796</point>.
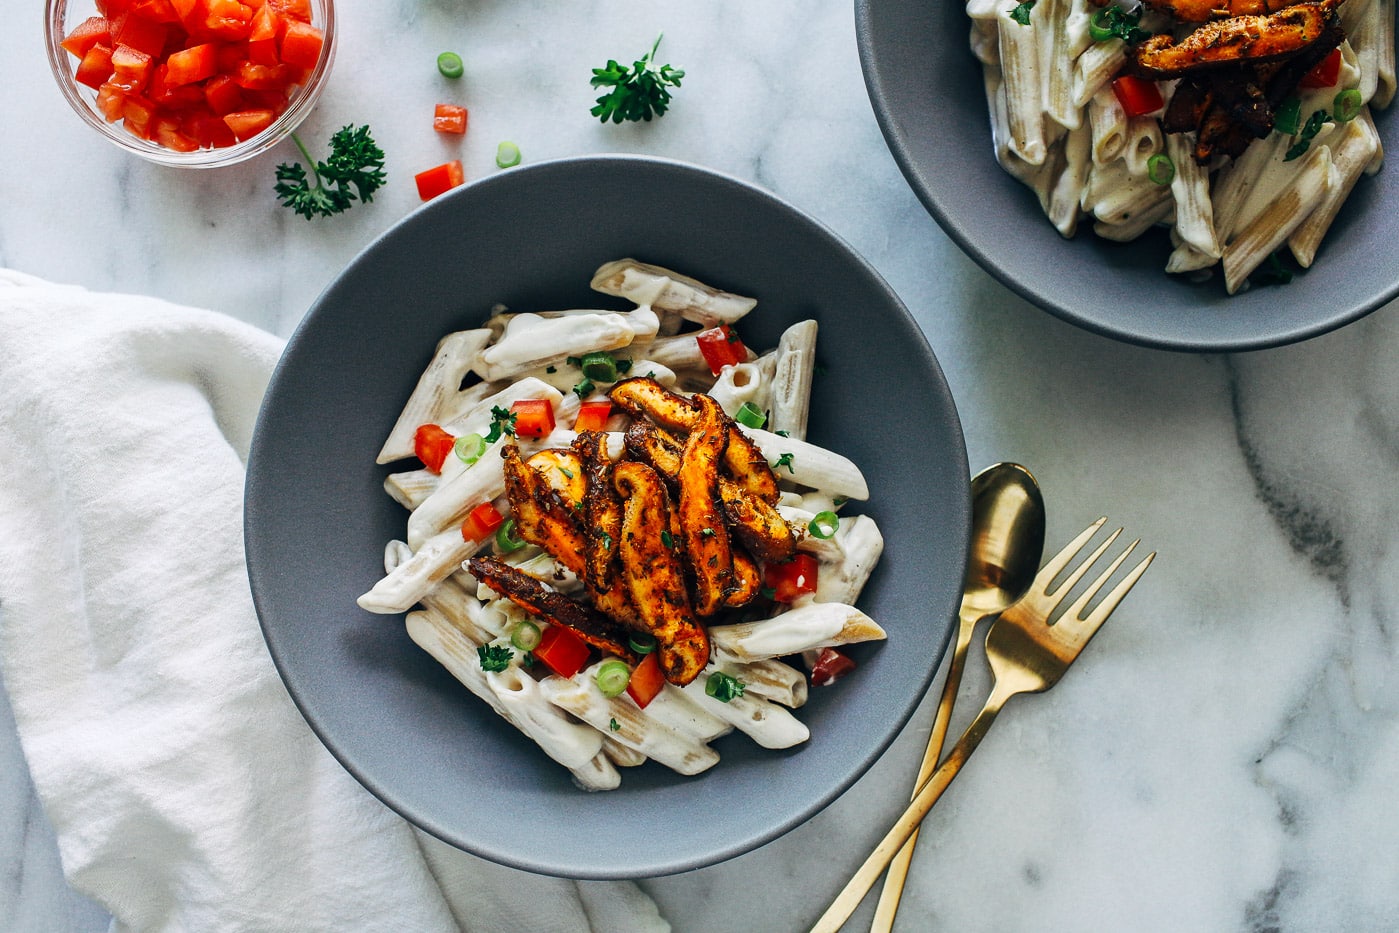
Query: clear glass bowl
<point>60,16</point>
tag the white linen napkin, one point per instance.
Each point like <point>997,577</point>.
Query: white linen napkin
<point>186,791</point>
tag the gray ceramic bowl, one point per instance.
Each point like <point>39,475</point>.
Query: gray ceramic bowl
<point>927,93</point>
<point>317,518</point>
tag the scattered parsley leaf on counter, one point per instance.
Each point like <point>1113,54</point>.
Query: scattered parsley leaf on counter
<point>355,169</point>
<point>638,92</point>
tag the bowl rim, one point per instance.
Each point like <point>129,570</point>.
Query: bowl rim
<point>306,98</point>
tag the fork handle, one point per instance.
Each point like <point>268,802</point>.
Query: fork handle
<point>855,890</point>
<point>892,891</point>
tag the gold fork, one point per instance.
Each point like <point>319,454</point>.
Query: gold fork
<point>1027,655</point>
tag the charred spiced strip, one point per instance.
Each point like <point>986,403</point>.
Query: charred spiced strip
<point>563,471</point>
<point>653,575</point>
<point>541,515</point>
<point>602,520</point>
<point>744,463</point>
<point>1187,106</point>
<point>747,581</point>
<point>753,521</point>
<point>1230,42</point>
<point>1247,107</point>
<point>1202,11</point>
<point>555,608</point>
<point>602,511</point>
<point>704,534</point>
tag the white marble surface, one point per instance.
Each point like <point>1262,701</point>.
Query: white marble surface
<point>1225,755</point>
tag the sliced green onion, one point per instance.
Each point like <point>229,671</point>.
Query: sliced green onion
<point>823,525</point>
<point>612,677</point>
<point>505,540</point>
<point>1288,119</point>
<point>600,367</point>
<point>525,636</point>
<point>750,415</point>
<point>1160,169</point>
<point>723,687</point>
<point>507,154</point>
<point>642,643</point>
<point>469,448</point>
<point>1347,105</point>
<point>1099,25</point>
<point>449,63</point>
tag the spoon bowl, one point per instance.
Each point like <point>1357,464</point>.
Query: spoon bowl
<point>1007,542</point>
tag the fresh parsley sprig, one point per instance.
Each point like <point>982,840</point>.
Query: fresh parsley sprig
<point>638,92</point>
<point>1021,13</point>
<point>355,170</point>
<point>1315,122</point>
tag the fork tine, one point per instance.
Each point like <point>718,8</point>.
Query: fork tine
<point>1059,561</point>
<point>1061,591</point>
<point>1086,626</point>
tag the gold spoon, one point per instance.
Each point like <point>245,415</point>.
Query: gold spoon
<point>1006,547</point>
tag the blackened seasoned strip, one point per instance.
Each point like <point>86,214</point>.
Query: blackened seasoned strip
<point>753,520</point>
<point>653,575</point>
<point>541,516</point>
<point>743,461</point>
<point>555,608</point>
<point>704,533</point>
<point>1202,11</point>
<point>1228,42</point>
<point>602,511</point>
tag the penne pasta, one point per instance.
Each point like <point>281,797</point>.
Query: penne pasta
<point>1279,217</point>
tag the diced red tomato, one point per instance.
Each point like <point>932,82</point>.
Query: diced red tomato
<point>449,118</point>
<point>439,179</point>
<point>131,68</point>
<point>431,444</point>
<point>592,416</point>
<point>301,45</point>
<point>139,33</point>
<point>646,681</point>
<point>1326,73</point>
<point>721,347</point>
<point>193,64</point>
<point>86,34</point>
<point>223,95</point>
<point>534,417</point>
<point>294,9</point>
<point>246,124</point>
<point>95,68</point>
<point>1138,96</point>
<point>831,665</point>
<point>560,648</point>
<point>211,72</point>
<point>790,579</point>
<point>481,522</point>
<point>109,101</point>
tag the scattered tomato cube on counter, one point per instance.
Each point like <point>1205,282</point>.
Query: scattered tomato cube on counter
<point>439,179</point>
<point>449,118</point>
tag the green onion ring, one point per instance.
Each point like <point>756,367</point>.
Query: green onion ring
<point>823,525</point>
<point>505,540</point>
<point>449,64</point>
<point>599,367</point>
<point>750,415</point>
<point>507,154</point>
<point>469,448</point>
<point>525,636</point>
<point>1098,30</point>
<point>1347,104</point>
<point>1160,169</point>
<point>612,677</point>
<point>643,643</point>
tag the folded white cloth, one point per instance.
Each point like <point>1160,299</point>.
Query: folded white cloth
<point>186,791</point>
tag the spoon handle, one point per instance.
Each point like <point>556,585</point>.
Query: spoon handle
<point>859,884</point>
<point>893,889</point>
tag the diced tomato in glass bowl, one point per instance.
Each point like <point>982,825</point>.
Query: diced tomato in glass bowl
<point>193,83</point>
